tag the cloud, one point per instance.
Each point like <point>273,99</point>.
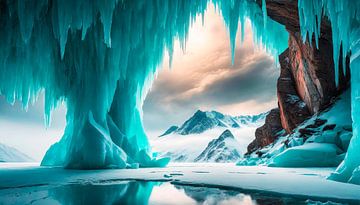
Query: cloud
<point>178,97</point>
<point>255,81</point>
<point>203,78</point>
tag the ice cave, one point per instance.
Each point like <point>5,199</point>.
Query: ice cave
<point>100,59</point>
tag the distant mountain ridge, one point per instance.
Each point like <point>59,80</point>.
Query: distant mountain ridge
<point>10,154</point>
<point>208,136</point>
<point>206,120</point>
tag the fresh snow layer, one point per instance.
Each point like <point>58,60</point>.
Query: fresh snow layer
<point>301,182</point>
<point>318,148</point>
<point>309,155</point>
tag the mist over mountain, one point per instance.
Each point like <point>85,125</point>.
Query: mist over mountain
<point>10,154</point>
<point>208,136</point>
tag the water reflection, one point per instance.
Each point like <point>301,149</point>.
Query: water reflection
<point>104,193</point>
<point>136,192</point>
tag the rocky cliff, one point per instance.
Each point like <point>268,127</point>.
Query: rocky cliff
<point>306,84</point>
<point>267,133</point>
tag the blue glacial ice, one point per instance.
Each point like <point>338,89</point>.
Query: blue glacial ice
<point>344,16</point>
<point>100,58</point>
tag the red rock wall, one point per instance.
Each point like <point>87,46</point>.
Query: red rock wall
<point>307,81</point>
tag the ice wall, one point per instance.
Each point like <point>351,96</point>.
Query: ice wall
<point>267,33</point>
<point>344,16</point>
<point>99,57</point>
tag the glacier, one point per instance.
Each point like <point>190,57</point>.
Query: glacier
<point>100,58</point>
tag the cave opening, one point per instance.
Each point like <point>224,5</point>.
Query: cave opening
<point>72,57</point>
<point>103,103</point>
<point>202,80</point>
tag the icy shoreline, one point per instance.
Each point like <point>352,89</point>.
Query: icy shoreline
<point>297,182</point>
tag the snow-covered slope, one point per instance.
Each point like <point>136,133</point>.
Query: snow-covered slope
<point>202,128</point>
<point>320,141</point>
<point>223,149</point>
<point>10,154</point>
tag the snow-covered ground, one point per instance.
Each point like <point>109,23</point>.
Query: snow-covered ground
<point>321,140</point>
<point>300,182</point>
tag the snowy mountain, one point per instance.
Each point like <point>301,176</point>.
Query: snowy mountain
<point>10,154</point>
<point>202,121</point>
<point>223,149</point>
<point>187,142</point>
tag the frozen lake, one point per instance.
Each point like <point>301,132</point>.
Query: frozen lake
<point>177,184</point>
<point>137,192</point>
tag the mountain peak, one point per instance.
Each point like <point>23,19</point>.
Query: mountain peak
<point>202,121</point>
<point>170,130</point>
<point>199,111</point>
<point>226,134</point>
<point>221,149</point>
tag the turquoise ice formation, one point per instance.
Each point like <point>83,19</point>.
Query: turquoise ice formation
<point>100,58</point>
<point>344,16</point>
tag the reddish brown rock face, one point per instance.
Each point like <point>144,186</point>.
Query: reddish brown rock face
<point>307,81</point>
<point>311,68</point>
<point>293,110</point>
<point>267,133</point>
<point>313,71</point>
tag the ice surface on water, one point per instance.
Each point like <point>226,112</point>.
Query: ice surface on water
<point>140,193</point>
<point>100,59</point>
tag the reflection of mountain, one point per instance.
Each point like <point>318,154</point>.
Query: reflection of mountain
<point>208,137</point>
<point>10,154</point>
<point>206,195</point>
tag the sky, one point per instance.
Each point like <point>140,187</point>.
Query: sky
<point>201,77</point>
<point>26,131</point>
